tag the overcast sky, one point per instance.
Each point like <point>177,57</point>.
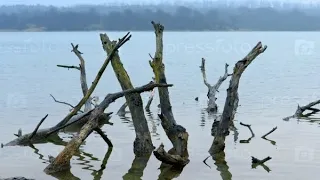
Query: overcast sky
<point>73,2</point>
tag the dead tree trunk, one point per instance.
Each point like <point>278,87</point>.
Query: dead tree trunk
<point>43,134</point>
<point>300,110</point>
<point>232,99</point>
<point>176,133</point>
<point>62,161</point>
<point>143,143</point>
<point>212,106</point>
<point>83,76</point>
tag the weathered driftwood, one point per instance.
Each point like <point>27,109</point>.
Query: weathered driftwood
<point>300,110</point>
<point>212,89</point>
<point>42,134</point>
<point>122,111</point>
<point>142,143</point>
<point>62,161</point>
<point>232,99</point>
<point>176,133</point>
<point>252,134</point>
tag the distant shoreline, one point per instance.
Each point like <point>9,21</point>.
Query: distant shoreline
<point>104,30</point>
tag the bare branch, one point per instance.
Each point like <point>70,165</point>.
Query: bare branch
<point>203,70</point>
<point>61,102</point>
<point>300,110</point>
<point>231,103</point>
<point>62,161</point>
<point>95,82</point>
<point>222,78</point>
<point>264,136</point>
<point>36,129</point>
<point>248,126</point>
<point>69,67</point>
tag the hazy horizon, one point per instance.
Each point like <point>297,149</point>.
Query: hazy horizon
<point>96,2</point>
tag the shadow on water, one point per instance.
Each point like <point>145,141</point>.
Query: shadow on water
<point>168,172</point>
<point>137,167</point>
<point>254,166</point>
<point>98,174</point>
<point>154,123</point>
<point>221,164</point>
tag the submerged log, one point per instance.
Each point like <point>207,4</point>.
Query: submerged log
<point>232,99</point>
<point>301,109</point>
<point>142,143</point>
<point>212,89</point>
<point>62,161</point>
<point>176,133</point>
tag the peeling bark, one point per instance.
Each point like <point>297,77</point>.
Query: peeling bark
<point>300,110</point>
<point>232,99</point>
<point>62,161</point>
<point>176,133</point>
<point>143,143</point>
<point>212,89</point>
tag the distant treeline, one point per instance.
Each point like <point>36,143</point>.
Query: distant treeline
<point>177,19</point>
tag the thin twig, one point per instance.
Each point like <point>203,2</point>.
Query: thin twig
<point>36,129</point>
<point>264,136</point>
<point>248,126</point>
<point>61,102</point>
<point>205,161</point>
<point>69,67</point>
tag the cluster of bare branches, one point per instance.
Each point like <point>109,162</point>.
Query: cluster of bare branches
<point>89,116</point>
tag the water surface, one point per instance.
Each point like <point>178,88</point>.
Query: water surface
<point>270,89</point>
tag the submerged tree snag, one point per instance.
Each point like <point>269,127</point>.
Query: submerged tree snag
<point>176,133</point>
<point>300,110</point>
<point>43,134</point>
<point>232,99</point>
<point>143,143</point>
<point>212,106</point>
<point>83,76</point>
<point>62,161</point>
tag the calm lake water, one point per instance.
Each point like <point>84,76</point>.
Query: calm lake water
<point>283,76</point>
